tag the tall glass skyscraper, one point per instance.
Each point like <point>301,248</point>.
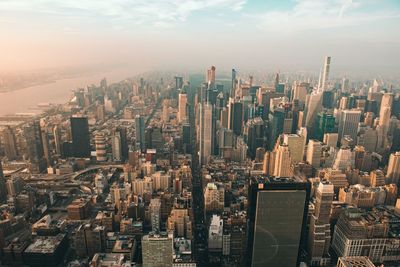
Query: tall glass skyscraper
<point>80,137</point>
<point>277,220</point>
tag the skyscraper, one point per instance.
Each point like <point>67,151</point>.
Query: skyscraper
<point>393,172</point>
<point>206,132</point>
<point>325,124</point>
<point>314,150</point>
<point>325,75</point>
<point>10,148</point>
<point>157,250</point>
<point>211,76</point>
<point>100,143</point>
<point>182,107</point>
<point>57,139</point>
<point>233,87</point>
<point>140,133</point>
<point>320,232</point>
<point>178,82</point>
<point>348,124</point>
<point>80,137</point>
<point>235,117</point>
<point>282,162</point>
<point>34,147</point>
<point>295,143</point>
<point>314,105</point>
<point>277,217</point>
<point>275,125</point>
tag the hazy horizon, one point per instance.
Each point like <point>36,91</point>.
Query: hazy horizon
<point>361,36</point>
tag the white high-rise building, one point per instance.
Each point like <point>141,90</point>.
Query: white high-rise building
<point>295,143</point>
<point>323,81</point>
<point>314,150</point>
<point>182,103</point>
<point>348,123</point>
<point>282,162</point>
<point>206,132</point>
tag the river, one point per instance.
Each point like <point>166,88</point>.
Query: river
<point>26,100</point>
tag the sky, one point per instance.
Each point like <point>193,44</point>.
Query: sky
<point>360,35</point>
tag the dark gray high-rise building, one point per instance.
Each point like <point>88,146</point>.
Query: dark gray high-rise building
<point>34,147</point>
<point>277,219</point>
<point>10,148</point>
<point>80,137</point>
<point>140,133</point>
<point>235,120</point>
<point>233,88</point>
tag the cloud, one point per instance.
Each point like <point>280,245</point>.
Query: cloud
<point>320,14</point>
<point>162,13</point>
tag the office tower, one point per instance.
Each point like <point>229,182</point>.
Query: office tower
<point>384,120</point>
<point>165,111</point>
<point>225,143</point>
<point>101,112</point>
<point>320,232</point>
<point>155,214</point>
<point>345,85</point>
<point>233,88</point>
<point>214,198</point>
<point>80,137</point>
<point>139,133</point>
<point>377,178</point>
<point>255,135</point>
<point>179,223</point>
<point>296,143</point>
<point>368,138</point>
<point>348,123</point>
<point>215,234</point>
<point>34,147</point>
<point>211,76</point>
<point>121,131</point>
<point>178,82</point>
<point>277,219</point>
<point>325,124</point>
<point>100,144</point>
<point>269,162</point>
<point>393,171</point>
<point>276,122</point>
<point>282,162</point>
<point>313,107</point>
<point>331,139</point>
<point>354,235</point>
<point>235,117</point>
<point>314,151</point>
<point>182,107</point>
<point>57,139</point>
<point>186,138</point>
<point>206,132</point>
<point>116,147</point>
<point>46,147</point>
<point>325,75</point>
<point>300,91</point>
<point>157,250</point>
<point>10,144</point>
<point>345,158</point>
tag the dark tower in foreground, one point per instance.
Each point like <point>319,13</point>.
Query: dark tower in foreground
<point>277,220</point>
<point>80,137</point>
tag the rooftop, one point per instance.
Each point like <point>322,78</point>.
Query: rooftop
<point>45,244</point>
